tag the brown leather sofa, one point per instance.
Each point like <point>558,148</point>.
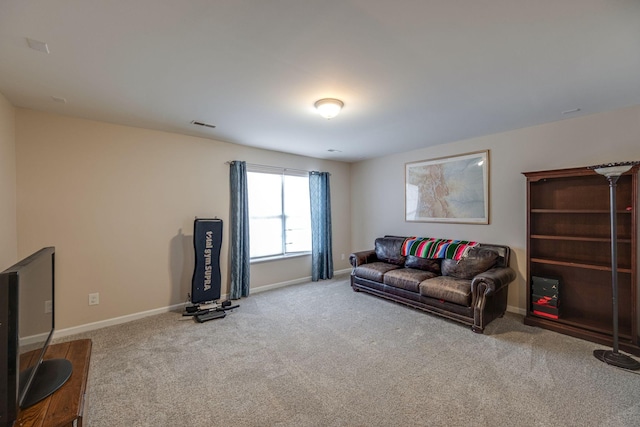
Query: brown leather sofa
<point>472,290</point>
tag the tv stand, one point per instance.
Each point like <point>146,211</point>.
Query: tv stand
<point>65,407</point>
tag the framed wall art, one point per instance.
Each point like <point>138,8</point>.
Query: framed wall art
<point>448,189</point>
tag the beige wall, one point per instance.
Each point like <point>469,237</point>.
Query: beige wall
<point>594,139</point>
<point>8,229</point>
<point>119,202</point>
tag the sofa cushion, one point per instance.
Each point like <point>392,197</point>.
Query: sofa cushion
<point>407,278</point>
<point>427,264</point>
<point>447,288</point>
<point>477,261</point>
<point>389,249</point>
<point>374,270</point>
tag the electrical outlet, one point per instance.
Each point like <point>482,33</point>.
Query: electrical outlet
<point>48,306</point>
<point>94,299</point>
<point>342,257</point>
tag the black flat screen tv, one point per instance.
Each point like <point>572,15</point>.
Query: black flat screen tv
<point>27,313</point>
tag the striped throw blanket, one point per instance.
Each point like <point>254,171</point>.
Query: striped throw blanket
<point>429,247</point>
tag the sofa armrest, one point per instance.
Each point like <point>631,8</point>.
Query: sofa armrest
<point>489,295</point>
<point>362,257</point>
<point>492,280</point>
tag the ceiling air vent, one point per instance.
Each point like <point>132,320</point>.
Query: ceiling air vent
<point>38,45</point>
<point>207,125</point>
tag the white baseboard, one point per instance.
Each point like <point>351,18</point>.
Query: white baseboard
<point>115,321</point>
<point>516,310</point>
<point>176,307</point>
<point>294,282</point>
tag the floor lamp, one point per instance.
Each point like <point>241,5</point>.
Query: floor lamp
<point>612,172</point>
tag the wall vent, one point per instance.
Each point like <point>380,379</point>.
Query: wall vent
<point>207,125</point>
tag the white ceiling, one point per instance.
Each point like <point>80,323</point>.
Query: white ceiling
<point>411,73</point>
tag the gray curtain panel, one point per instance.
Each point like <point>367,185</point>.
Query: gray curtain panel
<point>321,248</point>
<point>239,231</point>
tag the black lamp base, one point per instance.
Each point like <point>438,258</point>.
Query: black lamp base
<point>617,359</point>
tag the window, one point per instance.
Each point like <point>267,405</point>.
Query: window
<point>279,212</point>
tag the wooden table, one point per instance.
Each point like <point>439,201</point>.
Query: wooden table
<point>65,407</point>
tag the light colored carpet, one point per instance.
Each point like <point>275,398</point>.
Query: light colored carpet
<point>319,354</point>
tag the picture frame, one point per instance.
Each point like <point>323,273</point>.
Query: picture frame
<point>452,189</point>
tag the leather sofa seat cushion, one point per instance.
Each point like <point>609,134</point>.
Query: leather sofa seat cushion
<point>389,249</point>
<point>407,278</point>
<point>427,264</point>
<point>374,270</point>
<point>448,288</point>
<point>477,261</point>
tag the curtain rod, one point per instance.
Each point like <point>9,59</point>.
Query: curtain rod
<point>279,168</point>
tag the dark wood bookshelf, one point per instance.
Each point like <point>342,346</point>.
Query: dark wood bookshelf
<point>569,238</point>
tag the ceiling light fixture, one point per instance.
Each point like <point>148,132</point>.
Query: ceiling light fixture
<point>328,107</point>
